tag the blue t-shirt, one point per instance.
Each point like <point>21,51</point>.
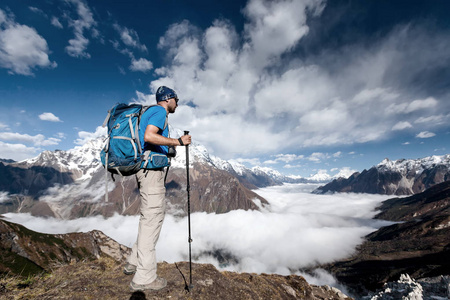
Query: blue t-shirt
<point>155,115</point>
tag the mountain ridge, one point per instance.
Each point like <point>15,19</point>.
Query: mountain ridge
<point>71,184</point>
<point>399,177</point>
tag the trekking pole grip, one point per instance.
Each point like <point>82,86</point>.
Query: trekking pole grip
<point>186,132</point>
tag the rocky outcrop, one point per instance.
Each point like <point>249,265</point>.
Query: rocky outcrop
<point>25,252</point>
<point>400,177</point>
<point>417,244</point>
<point>408,288</point>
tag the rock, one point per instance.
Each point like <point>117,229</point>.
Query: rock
<point>409,289</point>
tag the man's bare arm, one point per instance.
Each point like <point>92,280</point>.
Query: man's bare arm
<point>151,136</point>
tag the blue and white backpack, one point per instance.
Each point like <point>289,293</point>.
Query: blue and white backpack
<point>122,153</point>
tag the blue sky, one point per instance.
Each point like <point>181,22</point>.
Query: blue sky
<point>298,86</point>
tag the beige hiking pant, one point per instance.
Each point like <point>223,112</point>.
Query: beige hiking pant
<point>152,194</point>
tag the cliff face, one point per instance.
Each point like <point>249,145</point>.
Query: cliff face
<point>89,265</point>
<point>212,190</point>
<point>31,181</point>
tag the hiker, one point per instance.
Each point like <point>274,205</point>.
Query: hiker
<point>154,135</point>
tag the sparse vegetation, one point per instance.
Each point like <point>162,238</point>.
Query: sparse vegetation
<point>104,279</point>
<point>100,279</point>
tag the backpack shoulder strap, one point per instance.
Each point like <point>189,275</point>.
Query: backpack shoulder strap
<point>108,116</point>
<point>145,108</point>
<point>166,122</point>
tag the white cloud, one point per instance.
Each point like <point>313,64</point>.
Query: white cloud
<point>377,94</point>
<point>306,89</point>
<point>22,49</point>
<point>337,154</point>
<point>36,140</point>
<point>345,172</point>
<point>289,166</point>
<point>55,22</point>
<point>60,135</point>
<point>142,65</point>
<point>251,87</point>
<point>84,22</point>
<point>425,135</point>
<point>129,37</point>
<point>144,99</point>
<point>301,230</point>
<point>4,197</point>
<point>286,158</point>
<point>432,120</point>
<point>251,161</point>
<point>17,151</point>
<point>422,104</point>
<point>121,70</point>
<point>319,157</point>
<point>49,142</point>
<point>316,157</point>
<point>275,27</point>
<point>37,10</point>
<point>85,136</point>
<point>409,107</point>
<point>47,116</point>
<point>82,191</point>
<point>3,126</point>
<point>402,126</point>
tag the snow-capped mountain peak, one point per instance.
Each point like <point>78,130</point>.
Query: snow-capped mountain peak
<point>398,177</point>
<point>404,166</point>
<point>81,161</point>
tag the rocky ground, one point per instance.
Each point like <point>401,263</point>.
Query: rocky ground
<point>103,279</point>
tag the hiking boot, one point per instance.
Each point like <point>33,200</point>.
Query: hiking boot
<point>157,284</point>
<point>129,269</point>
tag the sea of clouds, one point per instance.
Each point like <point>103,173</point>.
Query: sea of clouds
<point>297,230</point>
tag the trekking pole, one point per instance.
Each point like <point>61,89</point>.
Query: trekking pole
<point>188,188</point>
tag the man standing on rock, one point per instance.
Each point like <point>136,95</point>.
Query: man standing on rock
<point>154,133</point>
